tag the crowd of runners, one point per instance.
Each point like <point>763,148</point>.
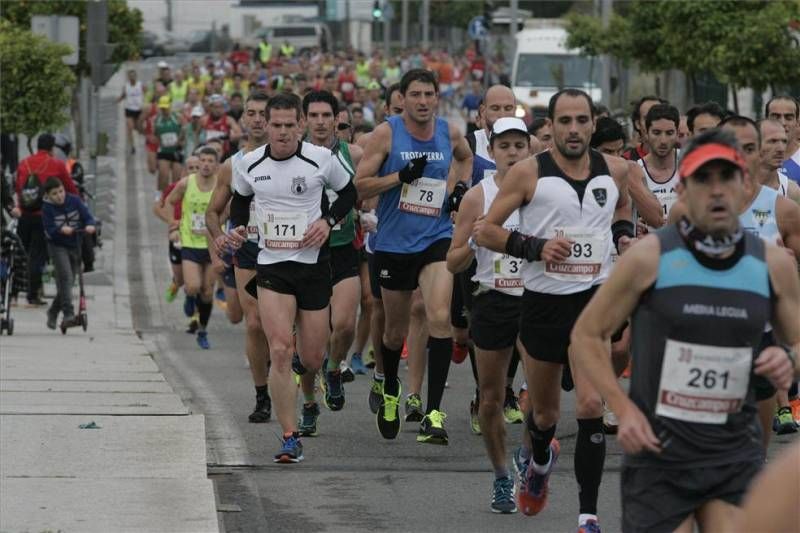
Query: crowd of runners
<point>332,206</point>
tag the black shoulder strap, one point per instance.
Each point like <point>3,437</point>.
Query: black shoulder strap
<point>471,142</point>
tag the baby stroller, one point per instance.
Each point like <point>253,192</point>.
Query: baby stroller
<point>12,263</point>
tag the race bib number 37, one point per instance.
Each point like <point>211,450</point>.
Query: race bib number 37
<point>586,257</point>
<point>283,230</point>
<point>424,196</point>
<point>703,384</point>
<point>507,272</point>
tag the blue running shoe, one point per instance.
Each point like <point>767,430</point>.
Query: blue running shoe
<point>533,500</point>
<point>202,340</point>
<point>503,496</point>
<point>220,295</point>
<point>332,388</point>
<point>521,470</point>
<point>297,366</point>
<point>591,526</point>
<point>357,365</point>
<point>291,450</point>
<point>307,425</point>
<point>188,306</point>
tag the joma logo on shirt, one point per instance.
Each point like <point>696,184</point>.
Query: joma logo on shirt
<point>432,156</point>
<point>261,178</point>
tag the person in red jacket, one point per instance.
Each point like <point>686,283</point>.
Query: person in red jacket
<point>32,172</point>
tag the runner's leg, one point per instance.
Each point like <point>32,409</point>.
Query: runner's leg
<point>277,312</point>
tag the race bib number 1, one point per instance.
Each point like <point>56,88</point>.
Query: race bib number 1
<point>424,196</point>
<point>703,384</point>
<point>507,272</point>
<point>283,230</point>
<point>586,257</point>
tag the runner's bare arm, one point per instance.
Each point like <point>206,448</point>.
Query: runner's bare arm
<point>460,254</point>
<point>367,181</point>
<point>516,190</point>
<point>219,199</point>
<point>356,153</point>
<point>175,196</point>
<point>236,131</point>
<point>461,167</point>
<point>362,141</point>
<point>590,342</point>
<point>646,203</point>
<point>677,211</point>
<point>786,286</point>
<point>793,192</point>
<point>620,174</point>
<point>787,213</point>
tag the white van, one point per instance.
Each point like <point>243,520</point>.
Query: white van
<point>543,65</point>
<point>301,35</point>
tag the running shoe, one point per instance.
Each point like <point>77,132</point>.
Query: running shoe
<point>171,292</point>
<point>297,365</point>
<point>357,364</point>
<point>262,411</point>
<point>474,421</point>
<point>404,351</point>
<point>332,389</point>
<point>375,395</point>
<point>795,405</point>
<point>534,499</point>
<point>414,411</point>
<point>503,496</point>
<point>511,411</point>
<point>610,422</point>
<point>194,324</point>
<point>591,526</point>
<point>307,425</point>
<point>220,294</point>
<point>388,416</point>
<point>432,431</point>
<point>52,320</point>
<point>460,352</point>
<point>291,451</point>
<point>202,340</point>
<point>521,470</point>
<point>347,373</point>
<point>784,423</point>
<point>369,360</point>
<point>189,306</point>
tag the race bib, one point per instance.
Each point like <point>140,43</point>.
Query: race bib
<point>198,223</point>
<point>214,134</point>
<point>252,224</point>
<point>667,200</point>
<point>507,272</point>
<point>282,230</point>
<point>586,255</point>
<point>703,384</point>
<point>424,196</point>
<point>169,139</point>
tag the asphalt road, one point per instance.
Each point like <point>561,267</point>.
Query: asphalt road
<point>352,480</point>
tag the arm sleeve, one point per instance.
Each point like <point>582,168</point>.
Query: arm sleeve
<point>345,202</point>
<point>86,215</point>
<point>240,209</point>
<point>48,220</point>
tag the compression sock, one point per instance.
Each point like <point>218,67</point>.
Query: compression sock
<point>590,456</point>
<point>391,363</point>
<point>540,439</point>
<point>439,354</point>
<point>512,368</point>
<point>261,392</point>
<point>204,310</point>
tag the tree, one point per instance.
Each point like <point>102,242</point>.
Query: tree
<point>34,87</point>
<point>741,43</point>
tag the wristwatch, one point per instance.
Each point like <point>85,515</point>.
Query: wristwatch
<point>792,355</point>
<point>331,220</point>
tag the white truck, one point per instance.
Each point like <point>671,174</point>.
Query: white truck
<point>543,65</point>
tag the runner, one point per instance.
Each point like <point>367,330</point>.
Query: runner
<point>286,179</point>
<point>637,120</point>
<point>786,110</point>
<point>133,96</point>
<point>773,153</point>
<point>413,236</point>
<point>704,117</point>
<point>320,109</point>
<point>167,128</point>
<point>700,292</point>
<point>194,194</point>
<point>496,306</point>
<point>543,131</point>
<point>245,258</point>
<point>218,125</point>
<point>565,238</point>
<point>660,165</point>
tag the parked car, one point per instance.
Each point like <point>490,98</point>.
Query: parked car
<point>302,35</point>
<point>150,45</point>
<point>207,41</point>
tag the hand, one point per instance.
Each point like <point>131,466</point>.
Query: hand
<point>368,221</point>
<point>316,234</point>
<point>641,228</point>
<point>480,232</point>
<point>174,236</point>
<point>454,200</point>
<point>413,170</point>
<point>89,229</point>
<point>220,245</point>
<point>774,364</point>
<point>217,265</point>
<point>16,212</point>
<point>236,237</point>
<point>556,250</point>
<point>626,242</point>
<point>66,230</point>
<point>634,433</point>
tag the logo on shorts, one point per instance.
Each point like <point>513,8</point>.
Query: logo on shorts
<point>600,195</point>
<point>299,185</point>
<point>385,274</point>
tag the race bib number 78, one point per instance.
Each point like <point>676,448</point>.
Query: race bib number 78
<point>424,196</point>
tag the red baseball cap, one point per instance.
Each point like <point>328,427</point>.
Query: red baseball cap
<point>709,152</point>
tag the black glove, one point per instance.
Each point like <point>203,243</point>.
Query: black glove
<point>413,170</point>
<point>454,201</point>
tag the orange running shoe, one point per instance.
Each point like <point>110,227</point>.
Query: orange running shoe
<point>460,352</point>
<point>795,405</point>
<point>627,372</point>
<point>404,353</point>
<point>532,497</point>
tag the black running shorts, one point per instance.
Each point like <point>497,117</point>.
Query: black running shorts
<point>461,302</point>
<point>494,321</point>
<point>174,254</point>
<point>344,263</point>
<point>246,256</point>
<point>374,286</point>
<point>657,500</point>
<point>196,255</point>
<point>309,284</point>
<point>174,157</point>
<point>400,272</point>
<point>133,113</point>
<point>763,388</point>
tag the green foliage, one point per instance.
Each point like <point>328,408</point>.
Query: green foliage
<point>35,85</point>
<point>746,43</point>
<point>454,14</point>
<point>124,25</point>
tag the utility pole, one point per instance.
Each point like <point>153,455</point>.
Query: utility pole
<point>386,29</point>
<point>513,29</point>
<point>169,15</point>
<point>404,24</point>
<point>348,42</point>
<point>606,7</point>
<point>426,20</point>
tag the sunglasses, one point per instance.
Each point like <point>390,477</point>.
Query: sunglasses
<point>343,126</point>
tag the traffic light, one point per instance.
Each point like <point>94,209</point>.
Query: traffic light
<point>377,10</point>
